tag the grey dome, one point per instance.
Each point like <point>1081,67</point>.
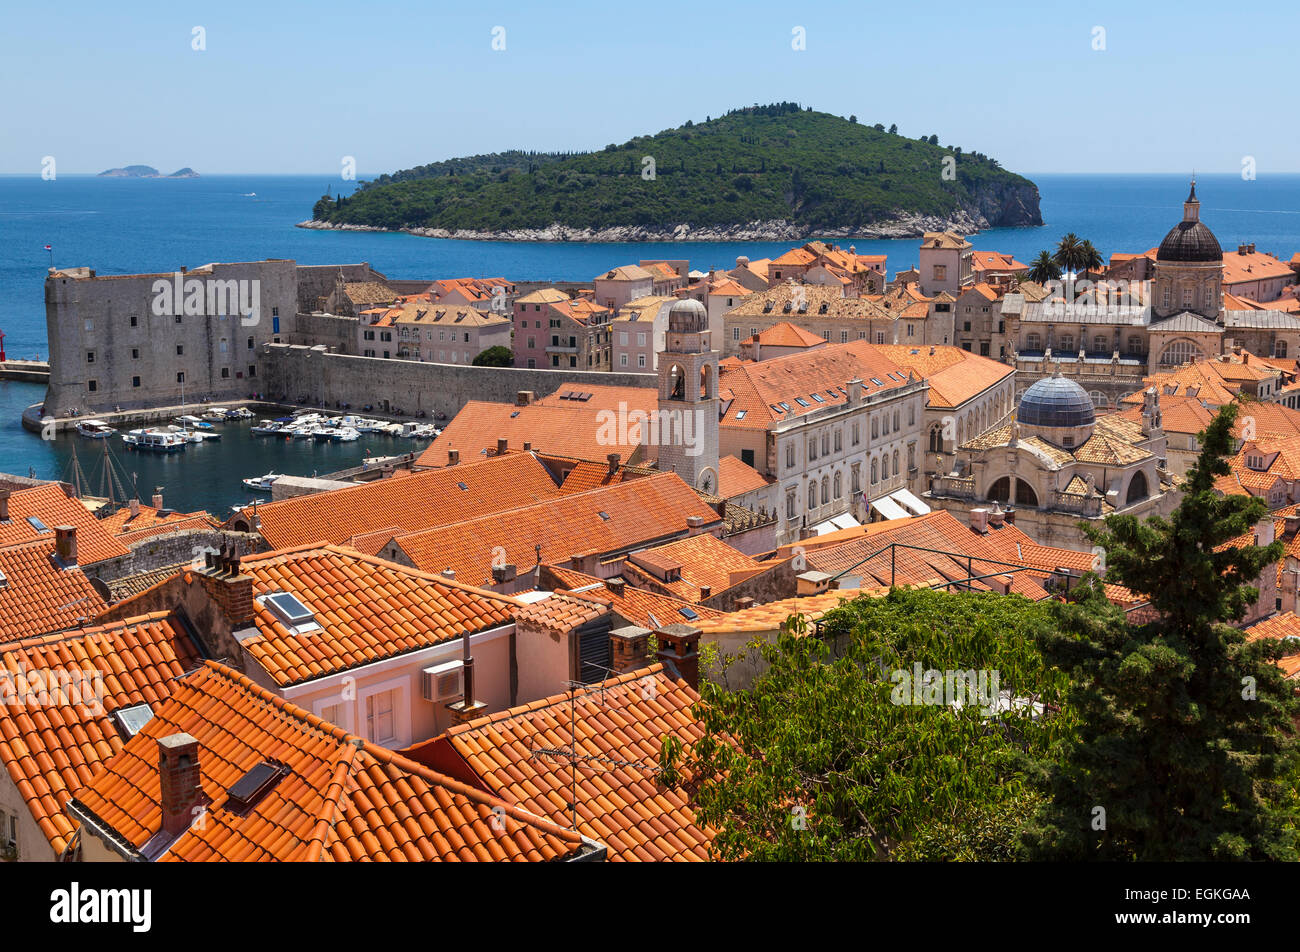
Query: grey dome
<point>1056,401</point>
<point>688,316</point>
<point>1190,241</point>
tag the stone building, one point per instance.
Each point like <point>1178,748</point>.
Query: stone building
<point>138,340</point>
<point>1059,463</point>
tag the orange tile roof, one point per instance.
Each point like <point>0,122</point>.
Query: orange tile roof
<point>736,477</point>
<point>1242,268</point>
<point>619,800</point>
<point>955,375</point>
<point>368,609</point>
<point>702,560</point>
<point>150,521</point>
<point>771,615</point>
<point>340,799</point>
<point>940,530</point>
<point>587,475</point>
<point>39,595</point>
<point>728,288</point>
<point>786,334</point>
<point>561,612</point>
<point>758,387</point>
<point>419,501</point>
<point>52,506</point>
<point>795,256</point>
<point>639,511</point>
<point>52,750</point>
<point>996,261</point>
<point>1280,627</point>
<point>582,429</point>
<point>637,605</point>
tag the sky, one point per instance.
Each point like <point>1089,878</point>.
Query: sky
<point>295,87</point>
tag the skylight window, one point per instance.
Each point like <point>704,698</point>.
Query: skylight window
<point>603,515</point>
<point>290,611</point>
<point>254,785</point>
<point>130,720</point>
<point>802,402</point>
<point>740,414</point>
<point>689,614</point>
<point>784,405</point>
<point>819,398</point>
<point>877,381</point>
<point>462,487</point>
<point>37,524</point>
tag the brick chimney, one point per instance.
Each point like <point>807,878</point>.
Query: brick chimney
<point>612,459</point>
<point>630,647</point>
<point>745,601</point>
<point>502,445</point>
<point>231,590</point>
<point>134,506</point>
<point>4,505</point>
<point>178,781</point>
<point>528,447</point>
<point>524,397</point>
<point>616,586</point>
<point>680,645</point>
<point>705,591</point>
<point>65,544</point>
<point>695,525</point>
<point>453,457</point>
<point>979,520</point>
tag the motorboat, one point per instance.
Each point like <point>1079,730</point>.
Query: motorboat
<point>95,429</point>
<point>265,428</point>
<point>261,484</point>
<point>191,422</point>
<point>216,415</point>
<point>239,413</point>
<point>154,441</point>
<point>188,436</point>
<point>345,434</point>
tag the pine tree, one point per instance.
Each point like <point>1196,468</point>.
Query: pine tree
<point>1186,747</point>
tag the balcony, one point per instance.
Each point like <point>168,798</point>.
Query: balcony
<point>953,487</point>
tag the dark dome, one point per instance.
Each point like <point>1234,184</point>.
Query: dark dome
<point>1190,241</point>
<point>1056,401</point>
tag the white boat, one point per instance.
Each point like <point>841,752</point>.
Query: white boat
<point>261,484</point>
<point>187,436</point>
<point>95,429</point>
<point>239,413</point>
<point>189,421</point>
<point>345,434</point>
<point>154,441</point>
<point>216,414</point>
<point>265,428</point>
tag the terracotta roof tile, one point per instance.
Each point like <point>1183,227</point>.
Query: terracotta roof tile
<point>339,799</point>
<point>771,615</point>
<point>52,750</point>
<point>637,605</point>
<point>621,725</point>
<point>955,375</point>
<point>419,501</point>
<point>695,562</point>
<point>368,609</point>
<point>39,595</point>
<point>52,506</point>
<point>735,477</point>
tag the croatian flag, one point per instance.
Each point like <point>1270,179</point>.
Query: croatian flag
<point>48,248</point>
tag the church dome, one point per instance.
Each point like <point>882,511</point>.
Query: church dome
<point>1056,402</point>
<point>1190,240</point>
<point>688,316</point>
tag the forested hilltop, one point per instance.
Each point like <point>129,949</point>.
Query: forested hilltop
<point>779,171</point>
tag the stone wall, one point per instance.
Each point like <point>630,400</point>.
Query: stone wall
<point>333,331</point>
<point>172,548</point>
<point>325,379</point>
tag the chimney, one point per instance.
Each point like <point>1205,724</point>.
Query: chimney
<point>528,447</point>
<point>1264,531</point>
<point>178,781</point>
<point>612,459</point>
<point>134,506</point>
<point>745,601</point>
<point>855,390</point>
<point>157,497</point>
<point>694,523</point>
<point>1290,582</point>
<point>502,445</point>
<point>995,516</point>
<point>1009,514</point>
<point>585,562</point>
<point>466,709</point>
<point>616,586</point>
<point>65,544</point>
<point>4,505</point>
<point>680,645</point>
<point>1000,584</point>
<point>1291,526</point>
<point>524,397</point>
<point>449,573</point>
<point>705,591</point>
<point>812,583</point>
<point>630,647</point>
<point>504,573</point>
<point>453,457</point>
<point>979,520</point>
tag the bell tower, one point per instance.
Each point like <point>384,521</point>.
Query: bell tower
<point>688,398</point>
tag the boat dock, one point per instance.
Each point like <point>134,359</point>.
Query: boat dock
<point>27,371</point>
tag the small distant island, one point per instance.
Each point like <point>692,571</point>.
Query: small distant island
<point>778,172</point>
<point>146,171</point>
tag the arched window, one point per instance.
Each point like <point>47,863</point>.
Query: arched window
<point>895,421</point>
<point>812,496</point>
<point>857,480</point>
<point>839,440</point>
<point>1137,489</point>
<point>676,386</point>
<point>706,383</point>
<point>826,490</point>
<point>874,473</point>
<point>1000,491</point>
<point>1180,352</point>
<point>875,429</point>
<point>936,439</point>
<point>895,462</point>
<point>839,486</point>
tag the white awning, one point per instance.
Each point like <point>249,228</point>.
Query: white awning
<point>842,521</point>
<point>890,509</point>
<point>908,501</point>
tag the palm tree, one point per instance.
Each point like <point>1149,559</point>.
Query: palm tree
<point>1044,269</point>
<point>1067,252</point>
<point>1090,258</point>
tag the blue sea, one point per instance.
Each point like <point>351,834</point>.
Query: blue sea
<point>121,226</point>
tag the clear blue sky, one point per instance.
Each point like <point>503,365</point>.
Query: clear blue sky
<point>294,86</point>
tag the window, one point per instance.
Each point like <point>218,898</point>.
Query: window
<point>381,717</point>
<point>789,454</point>
<point>826,490</point>
<point>1066,342</point>
<point>250,342</point>
<point>622,360</point>
<point>839,440</point>
<point>180,350</point>
<point>1187,297</point>
<point>640,340</point>
<point>223,346</point>
<point>940,272</point>
<point>747,457</point>
<point>855,433</point>
<point>839,486</point>
<point>844,337</point>
<point>735,333</point>
<point>135,381</point>
<point>875,429</point>
<point>180,377</point>
<point>1168,297</point>
<point>812,449</point>
<point>252,370</point>
<point>90,356</point>
<point>135,321</point>
<point>880,337</point>
<point>334,714</point>
<point>789,506</point>
<point>1279,349</point>
<point>640,360</point>
<point>1033,342</point>
<point>812,496</point>
<point>874,473</point>
<point>92,385</point>
<point>857,481</point>
<point>225,373</point>
<point>178,318</point>
<point>826,444</point>
<point>1100,344</point>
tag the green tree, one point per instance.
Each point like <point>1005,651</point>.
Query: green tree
<point>1044,268</point>
<point>893,128</point>
<point>1090,258</point>
<point>821,759</point>
<point>497,356</point>
<point>1067,252</point>
<point>1185,748</point>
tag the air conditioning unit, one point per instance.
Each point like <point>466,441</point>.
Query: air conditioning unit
<point>443,682</point>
